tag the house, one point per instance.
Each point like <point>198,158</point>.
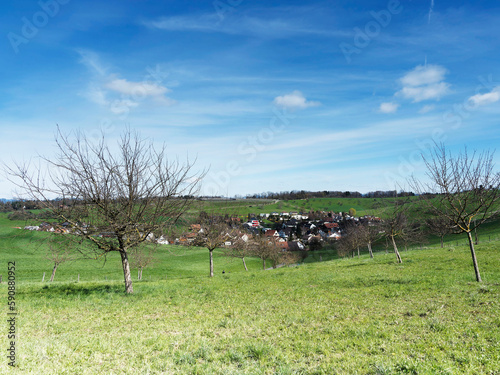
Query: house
<point>254,223</point>
<point>334,236</point>
<point>295,246</point>
<point>272,233</point>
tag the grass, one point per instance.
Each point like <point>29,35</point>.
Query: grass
<point>344,316</point>
<point>242,207</point>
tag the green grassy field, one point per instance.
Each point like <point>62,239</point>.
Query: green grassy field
<point>362,206</point>
<point>345,316</point>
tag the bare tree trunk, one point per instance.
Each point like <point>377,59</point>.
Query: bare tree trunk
<point>53,272</point>
<point>442,244</point>
<point>475,233</point>
<point>243,259</point>
<point>358,252</point>
<point>370,249</point>
<point>211,263</point>
<point>263,264</point>
<point>474,260</point>
<point>396,250</point>
<point>126,273</point>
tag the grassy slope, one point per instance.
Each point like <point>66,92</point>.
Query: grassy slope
<point>243,207</point>
<point>345,316</point>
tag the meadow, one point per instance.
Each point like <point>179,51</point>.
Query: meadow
<point>342,316</point>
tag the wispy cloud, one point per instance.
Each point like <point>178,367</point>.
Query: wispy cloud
<point>91,61</point>
<point>388,107</point>
<point>141,89</point>
<point>431,9</point>
<point>427,108</point>
<point>241,25</point>
<point>119,95</point>
<point>294,100</point>
<point>425,82</point>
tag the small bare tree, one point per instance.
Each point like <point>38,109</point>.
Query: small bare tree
<point>369,232</point>
<point>266,249</point>
<point>351,240</point>
<point>141,257</point>
<point>115,198</point>
<point>240,248</point>
<point>440,226</point>
<point>214,232</point>
<point>58,251</point>
<point>466,190</point>
<point>397,225</point>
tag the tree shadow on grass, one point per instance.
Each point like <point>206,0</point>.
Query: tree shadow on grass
<point>76,290</point>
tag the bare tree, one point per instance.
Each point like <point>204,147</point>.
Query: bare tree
<point>369,232</point>
<point>58,252</point>
<point>141,257</point>
<point>266,249</point>
<point>113,197</point>
<point>354,235</point>
<point>440,226</point>
<point>396,224</point>
<point>214,232</point>
<point>466,190</point>
<point>240,248</point>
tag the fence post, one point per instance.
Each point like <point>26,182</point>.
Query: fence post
<point>43,277</point>
<point>78,277</point>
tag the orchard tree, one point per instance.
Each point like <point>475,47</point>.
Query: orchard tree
<point>115,197</point>
<point>465,190</point>
<point>440,226</point>
<point>58,251</point>
<point>142,257</point>
<point>266,249</point>
<point>214,232</point>
<point>240,248</point>
<point>397,225</point>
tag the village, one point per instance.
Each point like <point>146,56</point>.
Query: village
<point>291,231</point>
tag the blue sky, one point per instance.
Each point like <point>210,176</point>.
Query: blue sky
<point>270,95</point>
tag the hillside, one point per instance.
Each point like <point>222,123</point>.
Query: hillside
<point>348,316</point>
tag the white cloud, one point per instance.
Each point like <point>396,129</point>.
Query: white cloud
<point>424,75</point>
<point>485,99</point>
<point>422,93</point>
<point>388,107</point>
<point>294,100</point>
<point>424,83</point>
